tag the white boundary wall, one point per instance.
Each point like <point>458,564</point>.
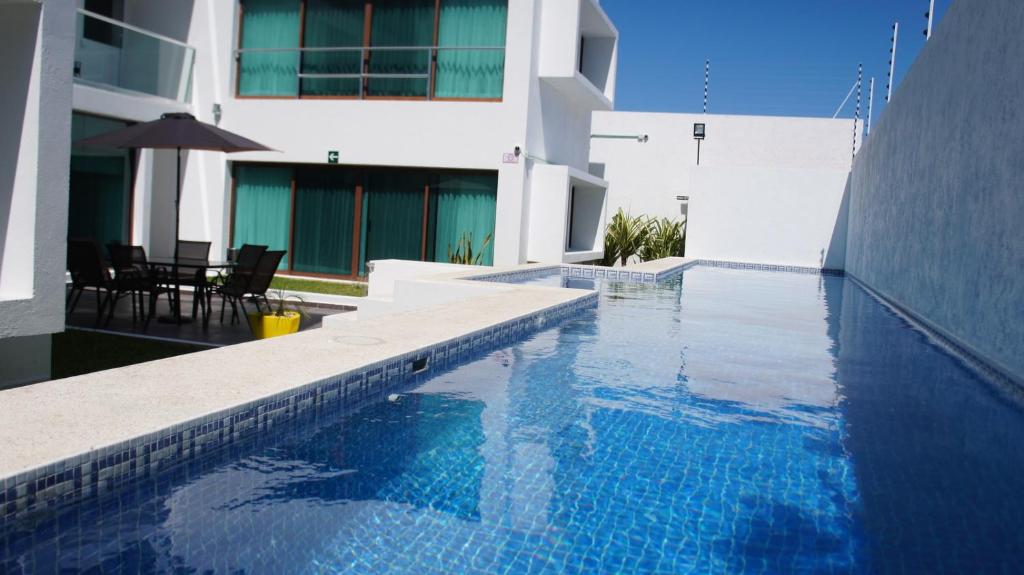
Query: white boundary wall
<point>767,190</point>
<point>936,206</point>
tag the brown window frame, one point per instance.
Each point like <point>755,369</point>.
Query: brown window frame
<point>361,173</point>
<point>367,26</point>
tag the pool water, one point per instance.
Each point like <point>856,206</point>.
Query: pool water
<point>724,421</point>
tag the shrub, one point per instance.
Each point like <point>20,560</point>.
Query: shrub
<point>664,240</point>
<point>463,253</point>
<point>624,237</point>
<point>643,236</point>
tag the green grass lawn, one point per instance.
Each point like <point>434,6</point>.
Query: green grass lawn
<point>79,352</point>
<point>314,286</point>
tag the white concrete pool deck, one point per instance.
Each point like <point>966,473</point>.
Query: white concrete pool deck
<point>49,422</point>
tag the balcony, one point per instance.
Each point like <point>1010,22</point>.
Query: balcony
<point>567,215</point>
<point>373,72</point>
<point>116,56</point>
<point>579,48</point>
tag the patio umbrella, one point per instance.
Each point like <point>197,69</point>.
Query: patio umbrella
<point>177,131</point>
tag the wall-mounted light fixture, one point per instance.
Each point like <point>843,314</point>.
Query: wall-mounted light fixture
<point>698,134</point>
<point>216,114</point>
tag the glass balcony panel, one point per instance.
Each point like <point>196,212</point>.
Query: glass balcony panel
<point>119,56</point>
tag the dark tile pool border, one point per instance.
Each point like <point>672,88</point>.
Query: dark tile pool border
<point>641,276</point>
<point>1004,382</point>
<point>103,470</point>
<point>586,272</point>
<point>770,267</point>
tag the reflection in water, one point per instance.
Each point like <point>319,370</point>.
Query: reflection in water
<point>937,452</point>
<point>726,421</point>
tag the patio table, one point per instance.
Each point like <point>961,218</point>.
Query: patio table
<point>201,266</point>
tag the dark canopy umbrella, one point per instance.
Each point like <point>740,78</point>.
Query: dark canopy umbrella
<point>177,132</point>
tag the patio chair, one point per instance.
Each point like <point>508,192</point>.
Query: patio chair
<point>245,259</point>
<point>253,286</point>
<point>152,281</point>
<point>85,263</point>
<point>127,279</point>
<point>195,278</point>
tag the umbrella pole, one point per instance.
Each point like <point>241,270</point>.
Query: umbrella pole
<point>177,203</point>
<point>177,226</point>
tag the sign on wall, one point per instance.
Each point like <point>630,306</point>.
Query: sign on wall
<point>332,156</point>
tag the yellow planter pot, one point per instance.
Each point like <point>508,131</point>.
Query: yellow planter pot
<point>270,325</point>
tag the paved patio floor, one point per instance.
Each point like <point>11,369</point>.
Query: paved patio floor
<point>215,334</point>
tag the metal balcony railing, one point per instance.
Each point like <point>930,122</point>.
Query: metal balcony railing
<point>114,55</point>
<point>385,71</point>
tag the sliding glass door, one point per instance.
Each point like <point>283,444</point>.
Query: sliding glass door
<point>394,215</point>
<point>415,49</point>
<point>401,25</point>
<point>271,28</point>
<point>263,199</point>
<point>345,216</point>
<point>99,189</point>
<point>333,24</point>
<point>324,221</point>
<point>461,218</point>
<point>471,73</point>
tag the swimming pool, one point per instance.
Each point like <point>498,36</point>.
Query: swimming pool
<point>723,421</point>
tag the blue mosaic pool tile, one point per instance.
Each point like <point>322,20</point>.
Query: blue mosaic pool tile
<point>91,474</point>
<point>1004,382</point>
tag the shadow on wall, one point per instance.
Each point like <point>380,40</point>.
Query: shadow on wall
<point>19,24</point>
<point>171,18</point>
<point>834,258</point>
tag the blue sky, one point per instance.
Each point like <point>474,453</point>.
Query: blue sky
<point>774,57</point>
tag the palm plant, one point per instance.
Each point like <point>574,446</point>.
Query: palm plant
<point>624,237</point>
<point>277,303</point>
<point>464,253</point>
<point>664,240</point>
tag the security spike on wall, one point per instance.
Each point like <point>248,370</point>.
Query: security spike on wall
<point>856,112</point>
<point>707,78</point>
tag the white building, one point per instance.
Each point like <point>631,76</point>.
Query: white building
<point>422,104</point>
<point>400,127</point>
<point>36,42</point>
<point>766,190</point>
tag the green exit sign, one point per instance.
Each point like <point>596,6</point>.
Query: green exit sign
<point>332,156</point>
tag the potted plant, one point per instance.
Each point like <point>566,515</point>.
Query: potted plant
<point>279,318</point>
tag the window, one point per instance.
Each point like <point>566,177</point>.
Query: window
<point>418,49</point>
<point>99,194</point>
<point>270,28</point>
<point>99,31</point>
<point>345,216</point>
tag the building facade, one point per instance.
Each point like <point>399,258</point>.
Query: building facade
<point>37,42</point>
<point>402,129</point>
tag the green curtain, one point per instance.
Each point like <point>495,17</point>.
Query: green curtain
<point>98,206</point>
<point>471,73</point>
<point>461,204</point>
<point>269,24</point>
<point>399,23</point>
<point>263,197</point>
<point>394,218</point>
<point>324,211</point>
<point>98,185</point>
<point>334,24</point>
